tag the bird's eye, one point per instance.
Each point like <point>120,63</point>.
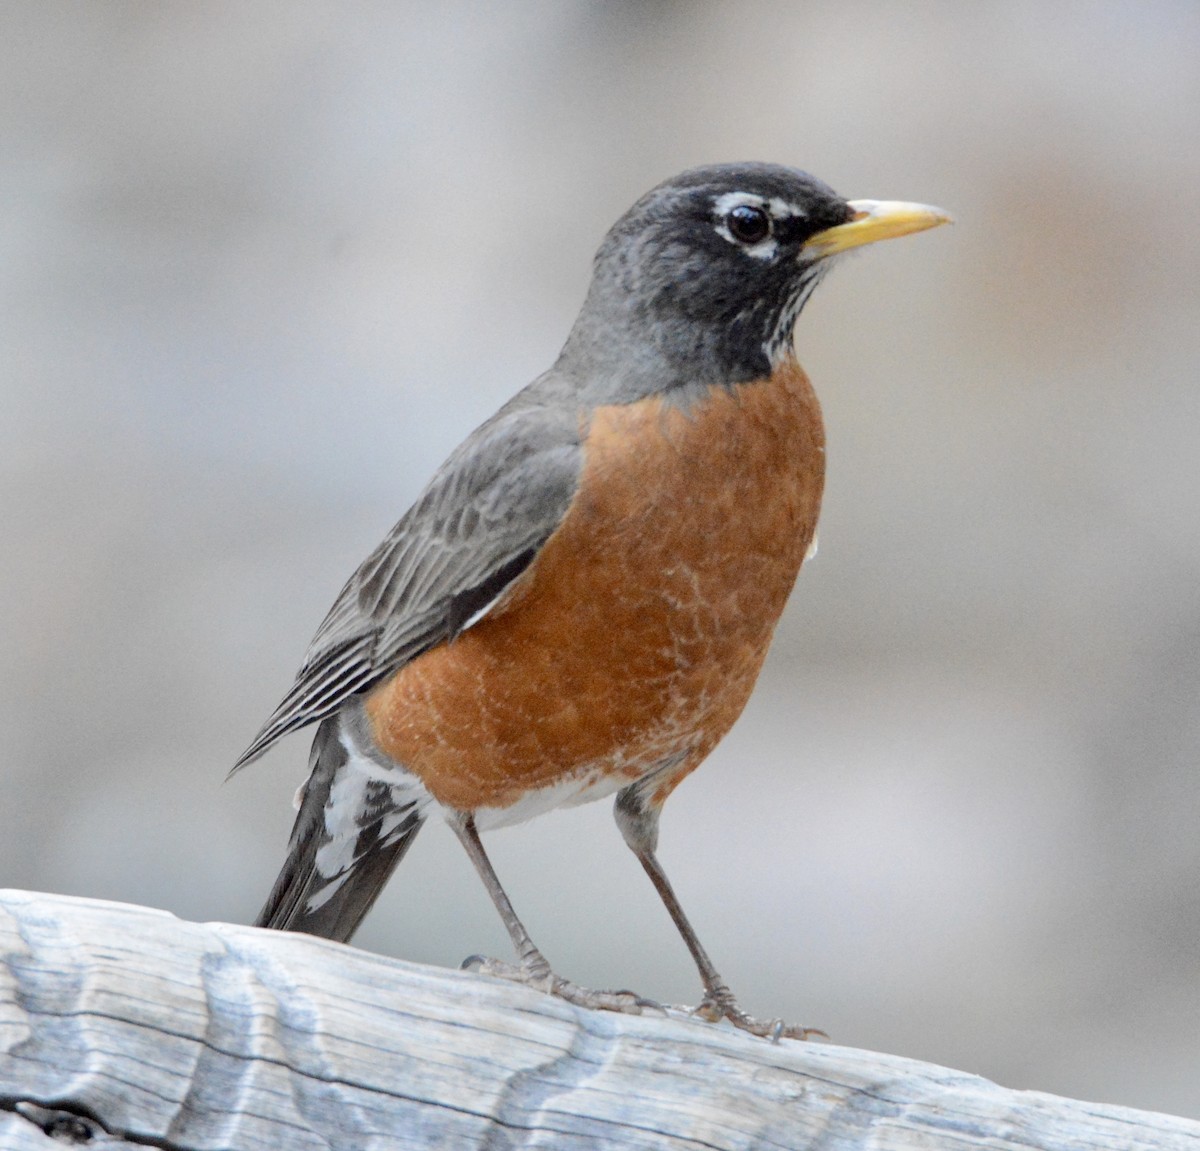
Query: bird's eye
<point>748,225</point>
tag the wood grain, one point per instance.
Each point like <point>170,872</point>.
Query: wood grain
<point>122,1026</point>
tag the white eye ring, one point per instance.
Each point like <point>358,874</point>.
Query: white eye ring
<point>733,205</point>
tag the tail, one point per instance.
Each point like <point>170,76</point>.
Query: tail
<point>358,816</point>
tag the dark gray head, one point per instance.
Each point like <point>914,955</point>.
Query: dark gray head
<point>701,281</point>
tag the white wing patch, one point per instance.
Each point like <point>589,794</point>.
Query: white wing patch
<point>490,606</point>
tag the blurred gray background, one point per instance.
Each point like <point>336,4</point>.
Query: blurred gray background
<point>263,265</point>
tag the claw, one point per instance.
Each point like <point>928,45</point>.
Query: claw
<point>719,1004</point>
<point>539,976</point>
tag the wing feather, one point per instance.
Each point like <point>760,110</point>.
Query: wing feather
<point>477,525</point>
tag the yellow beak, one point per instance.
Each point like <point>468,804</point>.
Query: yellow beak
<point>874,220</point>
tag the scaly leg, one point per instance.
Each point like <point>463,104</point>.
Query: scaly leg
<point>533,969</point>
<point>638,820</point>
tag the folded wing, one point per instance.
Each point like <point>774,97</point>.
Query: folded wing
<point>476,527</point>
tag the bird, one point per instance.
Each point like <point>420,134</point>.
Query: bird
<point>579,602</point>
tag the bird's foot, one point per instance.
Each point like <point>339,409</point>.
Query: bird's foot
<point>536,973</point>
<point>719,1003</point>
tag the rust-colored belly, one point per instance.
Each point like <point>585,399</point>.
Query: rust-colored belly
<point>639,630</point>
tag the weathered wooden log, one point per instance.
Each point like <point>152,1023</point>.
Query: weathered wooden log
<point>122,1026</point>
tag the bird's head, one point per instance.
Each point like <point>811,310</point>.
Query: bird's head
<point>706,274</point>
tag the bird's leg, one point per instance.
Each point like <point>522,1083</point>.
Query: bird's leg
<point>533,968</point>
<point>638,821</point>
<point>533,962</point>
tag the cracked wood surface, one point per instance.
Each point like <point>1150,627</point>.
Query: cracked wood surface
<point>122,1026</point>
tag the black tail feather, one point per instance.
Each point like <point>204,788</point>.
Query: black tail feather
<point>343,847</point>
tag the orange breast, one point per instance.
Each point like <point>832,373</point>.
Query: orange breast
<point>639,630</point>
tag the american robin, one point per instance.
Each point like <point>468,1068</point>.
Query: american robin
<point>579,602</point>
